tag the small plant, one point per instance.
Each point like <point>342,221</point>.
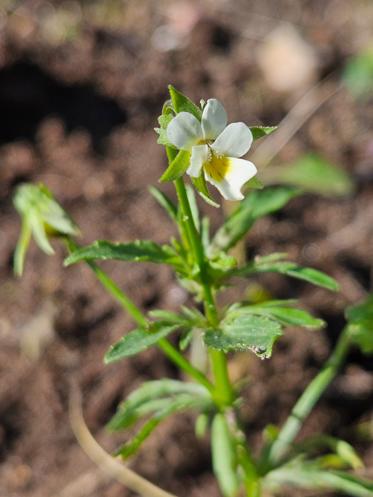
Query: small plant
<point>198,142</point>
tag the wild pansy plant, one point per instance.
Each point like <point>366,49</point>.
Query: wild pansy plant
<point>199,143</point>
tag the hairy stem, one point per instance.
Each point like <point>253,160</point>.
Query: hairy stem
<point>224,394</point>
<point>308,399</point>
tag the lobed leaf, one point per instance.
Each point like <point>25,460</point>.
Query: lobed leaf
<point>245,332</point>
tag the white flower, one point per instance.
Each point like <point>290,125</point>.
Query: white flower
<point>215,148</point>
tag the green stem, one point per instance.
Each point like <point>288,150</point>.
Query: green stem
<point>224,394</point>
<point>308,399</point>
<point>169,350</point>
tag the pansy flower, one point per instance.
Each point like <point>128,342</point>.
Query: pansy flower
<point>215,148</point>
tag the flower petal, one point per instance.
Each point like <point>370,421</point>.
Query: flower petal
<point>238,172</point>
<point>214,119</point>
<point>184,131</point>
<point>200,154</point>
<point>234,141</point>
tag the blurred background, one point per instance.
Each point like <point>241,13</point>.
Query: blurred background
<point>81,86</point>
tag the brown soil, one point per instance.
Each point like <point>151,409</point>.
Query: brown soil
<point>77,114</point>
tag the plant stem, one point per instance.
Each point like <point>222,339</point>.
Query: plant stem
<point>169,350</point>
<point>308,399</point>
<point>224,394</point>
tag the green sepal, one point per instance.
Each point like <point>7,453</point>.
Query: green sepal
<point>245,332</point>
<point>177,167</point>
<point>181,103</point>
<point>260,131</point>
<point>137,341</point>
<point>202,188</point>
<point>224,460</point>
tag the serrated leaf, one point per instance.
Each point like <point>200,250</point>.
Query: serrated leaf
<point>137,341</point>
<point>138,251</point>
<point>360,324</point>
<point>257,204</point>
<point>202,188</point>
<point>165,202</point>
<point>314,174</point>
<point>282,313</point>
<point>291,269</point>
<point>181,103</point>
<point>177,167</point>
<point>260,131</point>
<point>223,456</point>
<point>246,332</point>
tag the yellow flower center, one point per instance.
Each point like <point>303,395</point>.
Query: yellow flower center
<point>217,167</point>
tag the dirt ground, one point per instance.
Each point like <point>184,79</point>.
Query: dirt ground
<point>81,85</point>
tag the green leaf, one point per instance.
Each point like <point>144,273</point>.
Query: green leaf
<point>265,265</point>
<point>358,73</point>
<point>360,324</point>
<point>223,456</point>
<point>152,396</point>
<point>22,246</point>
<point>42,217</point>
<point>246,332</point>
<point>164,120</point>
<point>137,341</point>
<point>308,475</point>
<point>182,103</point>
<point>177,167</point>
<point>201,187</point>
<point>341,448</point>
<point>314,174</point>
<point>165,202</point>
<point>283,313</point>
<point>257,204</point>
<point>179,404</point>
<point>260,131</point>
<point>140,250</point>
